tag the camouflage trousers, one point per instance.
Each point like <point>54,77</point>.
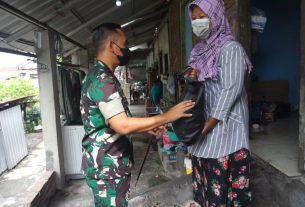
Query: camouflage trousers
<point>110,193</point>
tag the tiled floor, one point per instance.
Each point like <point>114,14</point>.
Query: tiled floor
<point>277,144</point>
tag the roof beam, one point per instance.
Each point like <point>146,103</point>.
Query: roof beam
<point>22,41</point>
<point>140,40</point>
<point>98,17</point>
<point>16,52</point>
<point>143,28</point>
<point>70,52</point>
<point>28,28</point>
<point>59,24</point>
<point>12,10</point>
<point>143,12</point>
<point>69,5</point>
<point>104,14</point>
<point>147,34</point>
<point>76,14</point>
<point>148,16</point>
<point>24,30</point>
<point>27,3</point>
<point>29,12</point>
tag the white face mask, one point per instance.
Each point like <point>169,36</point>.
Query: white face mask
<point>201,27</point>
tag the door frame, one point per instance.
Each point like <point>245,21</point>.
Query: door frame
<point>302,91</point>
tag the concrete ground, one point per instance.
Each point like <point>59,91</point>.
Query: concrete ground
<point>153,190</point>
<point>273,188</point>
<point>78,194</point>
<point>274,150</point>
<point>275,181</point>
<point>17,185</point>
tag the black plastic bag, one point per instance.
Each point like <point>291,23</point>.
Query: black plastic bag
<point>189,130</point>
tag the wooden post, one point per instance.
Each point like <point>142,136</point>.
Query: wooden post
<point>302,92</point>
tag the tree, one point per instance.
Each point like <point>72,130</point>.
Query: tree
<point>16,88</point>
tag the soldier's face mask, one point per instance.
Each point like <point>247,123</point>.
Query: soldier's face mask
<point>125,57</point>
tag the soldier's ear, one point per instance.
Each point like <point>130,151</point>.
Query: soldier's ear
<point>111,46</point>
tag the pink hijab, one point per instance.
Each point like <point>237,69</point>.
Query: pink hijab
<point>204,55</point>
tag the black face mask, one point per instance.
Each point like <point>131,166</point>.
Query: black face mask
<point>124,59</point>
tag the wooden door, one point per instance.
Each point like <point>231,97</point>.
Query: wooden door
<point>239,15</point>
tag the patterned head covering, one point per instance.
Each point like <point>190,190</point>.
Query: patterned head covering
<point>204,55</point>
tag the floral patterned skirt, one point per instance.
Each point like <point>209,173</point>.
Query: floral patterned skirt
<point>222,182</point>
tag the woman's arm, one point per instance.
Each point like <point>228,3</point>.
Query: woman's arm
<point>209,125</point>
<point>232,81</point>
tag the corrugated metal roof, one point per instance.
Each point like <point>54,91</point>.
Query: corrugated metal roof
<point>76,18</point>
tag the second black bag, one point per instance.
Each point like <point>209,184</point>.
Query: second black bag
<point>189,130</point>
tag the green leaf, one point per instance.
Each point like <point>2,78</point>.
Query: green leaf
<point>16,88</point>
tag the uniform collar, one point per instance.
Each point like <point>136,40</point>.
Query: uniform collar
<point>100,65</point>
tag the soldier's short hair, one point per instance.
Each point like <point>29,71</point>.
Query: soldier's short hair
<point>101,33</point>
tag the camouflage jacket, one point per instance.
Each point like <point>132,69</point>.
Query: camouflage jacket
<point>106,154</point>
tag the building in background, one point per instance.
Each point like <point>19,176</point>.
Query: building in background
<point>14,66</point>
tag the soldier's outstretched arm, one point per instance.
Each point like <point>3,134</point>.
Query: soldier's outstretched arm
<point>124,125</point>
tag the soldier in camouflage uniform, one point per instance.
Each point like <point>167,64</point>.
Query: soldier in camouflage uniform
<point>107,151</point>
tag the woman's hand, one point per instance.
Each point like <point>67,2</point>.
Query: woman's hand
<point>193,74</point>
<point>178,111</point>
<point>209,125</point>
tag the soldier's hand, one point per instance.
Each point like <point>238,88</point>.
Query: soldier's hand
<point>179,110</point>
<point>158,132</point>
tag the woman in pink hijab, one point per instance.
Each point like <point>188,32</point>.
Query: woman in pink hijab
<point>221,161</point>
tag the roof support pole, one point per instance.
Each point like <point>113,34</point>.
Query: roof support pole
<point>50,109</point>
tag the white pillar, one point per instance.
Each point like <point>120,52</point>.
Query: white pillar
<point>83,58</point>
<point>50,109</point>
<point>80,58</point>
<point>75,58</point>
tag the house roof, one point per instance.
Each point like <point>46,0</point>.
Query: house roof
<point>74,20</point>
<point>10,103</point>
